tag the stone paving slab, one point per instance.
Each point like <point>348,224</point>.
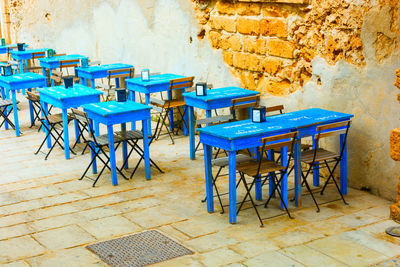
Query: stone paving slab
<point>48,216</point>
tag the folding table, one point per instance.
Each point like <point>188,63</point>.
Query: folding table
<point>99,71</point>
<point>16,82</point>
<point>239,135</point>
<point>23,56</point>
<point>112,112</point>
<point>50,63</point>
<point>65,98</point>
<point>157,83</point>
<point>215,99</point>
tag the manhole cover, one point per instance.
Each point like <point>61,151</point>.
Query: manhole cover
<point>393,231</point>
<point>139,249</point>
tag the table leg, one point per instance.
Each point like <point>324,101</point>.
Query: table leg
<point>21,66</point>
<point>257,182</point>
<point>83,81</point>
<point>147,102</point>
<point>76,126</point>
<point>45,109</point>
<point>171,113</point>
<point>343,166</point>
<point>31,114</point>
<point>284,181</point>
<point>44,73</point>
<point>192,142</point>
<point>271,156</point>
<point>146,149</point>
<point>15,110</point>
<point>111,148</point>
<point>3,95</point>
<point>316,167</point>
<point>52,81</point>
<point>92,84</point>
<point>297,173</point>
<point>66,135</point>
<point>116,82</point>
<point>208,178</point>
<point>132,97</point>
<point>124,147</point>
<point>232,186</point>
<point>26,65</point>
<point>92,154</point>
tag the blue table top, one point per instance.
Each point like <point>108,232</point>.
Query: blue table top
<point>104,67</point>
<point>287,121</point>
<point>155,79</point>
<point>110,108</point>
<point>60,92</point>
<point>59,58</point>
<point>221,93</point>
<point>20,77</point>
<point>28,51</point>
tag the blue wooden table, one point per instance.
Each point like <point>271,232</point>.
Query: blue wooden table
<point>215,99</point>
<point>23,56</point>
<point>50,63</point>
<point>97,72</point>
<point>112,112</point>
<point>64,99</point>
<point>13,83</point>
<point>245,134</point>
<point>6,48</point>
<point>157,83</point>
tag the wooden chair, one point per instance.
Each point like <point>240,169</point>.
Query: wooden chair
<point>243,103</point>
<point>33,66</point>
<point>266,168</point>
<point>313,158</point>
<point>109,87</point>
<point>275,110</point>
<point>175,102</point>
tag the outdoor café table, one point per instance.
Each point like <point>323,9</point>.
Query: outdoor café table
<point>113,112</point>
<point>6,48</point>
<point>50,63</point>
<point>215,99</point>
<point>98,71</point>
<point>157,83</point>
<point>239,135</point>
<point>23,56</point>
<point>16,82</point>
<point>65,98</point>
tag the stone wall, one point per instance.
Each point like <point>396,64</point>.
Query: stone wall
<point>334,54</point>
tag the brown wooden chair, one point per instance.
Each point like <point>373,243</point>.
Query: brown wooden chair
<point>266,168</point>
<point>242,103</point>
<point>315,157</point>
<point>109,87</point>
<point>174,102</point>
<point>33,65</point>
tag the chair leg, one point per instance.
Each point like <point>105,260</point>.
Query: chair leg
<point>334,180</point>
<point>248,189</point>
<point>277,188</point>
<point>309,189</point>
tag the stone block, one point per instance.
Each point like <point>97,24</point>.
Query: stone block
<point>225,7</point>
<point>248,9</point>
<point>280,48</point>
<point>228,57</point>
<point>235,43</point>
<point>223,23</point>
<point>248,26</point>
<point>214,37</point>
<point>271,65</point>
<point>395,212</point>
<point>395,144</point>
<point>273,27</point>
<point>258,46</point>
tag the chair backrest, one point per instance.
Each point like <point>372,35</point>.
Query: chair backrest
<point>68,63</point>
<point>276,142</point>
<point>214,120</point>
<point>121,74</point>
<point>244,102</point>
<point>181,83</point>
<point>82,117</point>
<point>38,55</point>
<point>33,97</point>
<point>278,109</point>
<point>59,55</point>
<point>332,129</point>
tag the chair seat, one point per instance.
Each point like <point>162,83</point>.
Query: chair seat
<point>171,103</point>
<point>57,118</point>
<point>306,146</point>
<point>322,154</point>
<point>130,135</point>
<point>224,161</point>
<point>5,103</point>
<point>102,140</point>
<point>250,168</point>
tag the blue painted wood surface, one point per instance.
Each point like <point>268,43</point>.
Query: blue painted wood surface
<point>239,135</point>
<point>64,98</point>
<point>10,84</point>
<point>27,54</point>
<point>112,112</point>
<point>157,83</point>
<point>54,62</point>
<point>3,48</point>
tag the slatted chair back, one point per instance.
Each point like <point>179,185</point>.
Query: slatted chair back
<point>33,97</point>
<point>181,83</point>
<point>214,120</point>
<point>70,63</point>
<point>33,67</point>
<point>278,109</point>
<point>121,74</point>
<point>36,55</point>
<point>276,142</point>
<point>59,55</point>
<point>83,118</point>
<point>56,76</point>
<point>242,103</point>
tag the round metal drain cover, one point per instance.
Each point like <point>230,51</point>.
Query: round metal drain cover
<point>393,231</point>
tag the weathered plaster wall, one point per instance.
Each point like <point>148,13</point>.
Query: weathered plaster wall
<point>354,76</point>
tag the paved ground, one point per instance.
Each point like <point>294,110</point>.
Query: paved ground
<point>47,216</point>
